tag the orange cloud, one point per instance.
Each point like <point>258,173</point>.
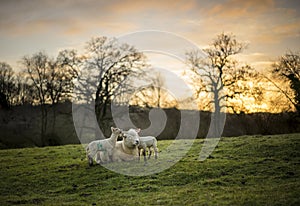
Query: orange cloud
<point>288,29</point>
<point>165,7</point>
<point>237,8</point>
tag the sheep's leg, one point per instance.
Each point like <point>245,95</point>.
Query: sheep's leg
<point>139,154</point>
<point>144,154</point>
<point>155,151</point>
<point>150,152</point>
<point>89,157</point>
<point>110,158</point>
<point>98,158</point>
<point>90,160</point>
<point>87,150</point>
<point>110,154</point>
<point>93,153</point>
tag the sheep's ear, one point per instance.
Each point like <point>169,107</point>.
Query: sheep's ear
<point>113,129</point>
<point>138,130</point>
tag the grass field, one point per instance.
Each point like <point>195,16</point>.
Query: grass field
<point>247,170</point>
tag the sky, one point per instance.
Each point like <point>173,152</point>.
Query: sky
<point>270,27</point>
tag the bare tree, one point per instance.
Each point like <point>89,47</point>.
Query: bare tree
<point>37,67</point>
<point>14,90</point>
<point>245,90</point>
<point>219,75</point>
<point>61,74</point>
<point>154,94</point>
<point>7,86</point>
<point>60,79</point>
<point>111,66</point>
<point>51,81</point>
<point>288,69</point>
<point>25,92</point>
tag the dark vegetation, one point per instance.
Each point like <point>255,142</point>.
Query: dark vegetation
<point>20,125</point>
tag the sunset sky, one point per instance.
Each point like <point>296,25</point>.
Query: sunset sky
<point>270,26</point>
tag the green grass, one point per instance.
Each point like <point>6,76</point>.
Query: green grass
<point>248,170</point>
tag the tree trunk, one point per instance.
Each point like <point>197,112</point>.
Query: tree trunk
<point>215,129</point>
<point>44,125</point>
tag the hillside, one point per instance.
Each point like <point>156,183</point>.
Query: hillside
<point>247,170</point>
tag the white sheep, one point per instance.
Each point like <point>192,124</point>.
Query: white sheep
<point>148,142</point>
<point>127,149</point>
<point>104,147</point>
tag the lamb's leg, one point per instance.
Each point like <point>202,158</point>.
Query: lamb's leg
<point>90,160</point>
<point>150,152</point>
<point>91,155</point>
<point>110,155</point>
<point>155,151</point>
<point>144,154</point>
<point>98,158</point>
<point>139,154</point>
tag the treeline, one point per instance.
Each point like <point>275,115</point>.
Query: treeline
<point>20,125</point>
<point>42,79</point>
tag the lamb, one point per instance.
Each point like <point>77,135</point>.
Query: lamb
<point>104,147</point>
<point>127,149</point>
<point>148,142</point>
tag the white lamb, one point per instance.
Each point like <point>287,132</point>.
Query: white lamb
<point>148,142</point>
<point>104,147</point>
<point>127,149</point>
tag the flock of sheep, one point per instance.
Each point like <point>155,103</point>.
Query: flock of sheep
<point>111,150</point>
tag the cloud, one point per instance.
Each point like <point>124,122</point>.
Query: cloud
<point>75,17</point>
<point>288,29</point>
<point>257,60</point>
<point>240,9</point>
<point>267,24</point>
<point>168,7</point>
<point>29,17</point>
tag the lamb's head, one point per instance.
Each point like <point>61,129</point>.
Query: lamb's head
<point>131,138</point>
<point>116,131</point>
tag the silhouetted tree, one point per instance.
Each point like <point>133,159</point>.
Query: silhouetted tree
<point>51,81</point>
<point>37,67</point>
<point>219,75</point>
<point>288,68</point>
<point>7,85</point>
<point>25,92</point>
<point>154,94</point>
<point>61,74</point>
<point>111,66</point>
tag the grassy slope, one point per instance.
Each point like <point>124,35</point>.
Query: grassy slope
<point>254,170</point>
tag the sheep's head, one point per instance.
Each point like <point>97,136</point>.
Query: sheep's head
<point>131,138</point>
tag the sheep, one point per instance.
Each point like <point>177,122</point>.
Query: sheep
<point>104,147</point>
<point>127,149</point>
<point>148,142</point>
